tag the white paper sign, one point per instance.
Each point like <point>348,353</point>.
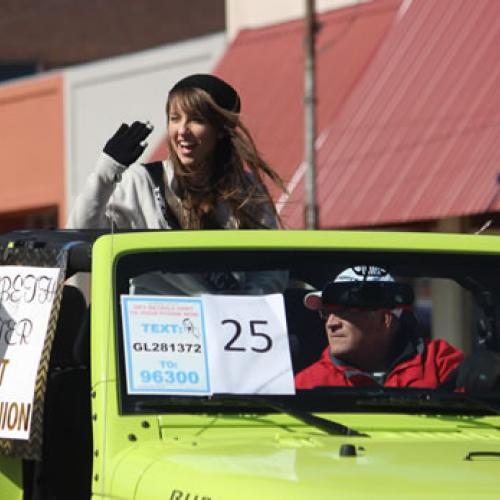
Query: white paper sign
<point>211,344</point>
<point>26,297</point>
<point>248,344</point>
<point>165,348</point>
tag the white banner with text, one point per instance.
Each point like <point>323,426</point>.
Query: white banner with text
<point>205,345</point>
<point>26,298</point>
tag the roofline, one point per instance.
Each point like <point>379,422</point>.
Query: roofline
<point>80,243</point>
<point>302,239</point>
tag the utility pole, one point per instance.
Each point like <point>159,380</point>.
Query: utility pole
<point>311,209</point>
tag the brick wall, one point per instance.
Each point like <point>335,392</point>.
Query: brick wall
<point>55,33</point>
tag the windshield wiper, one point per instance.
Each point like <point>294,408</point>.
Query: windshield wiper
<point>329,426</point>
<point>479,402</point>
<point>425,399</point>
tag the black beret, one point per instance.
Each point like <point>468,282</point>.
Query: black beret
<point>220,91</point>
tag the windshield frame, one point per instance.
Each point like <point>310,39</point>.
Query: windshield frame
<point>449,265</point>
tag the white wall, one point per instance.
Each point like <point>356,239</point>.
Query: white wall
<point>100,96</point>
<point>256,13</point>
<point>451,305</point>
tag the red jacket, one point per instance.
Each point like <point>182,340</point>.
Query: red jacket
<point>427,368</point>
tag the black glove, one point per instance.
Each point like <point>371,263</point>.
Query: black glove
<point>480,372</point>
<point>128,142</point>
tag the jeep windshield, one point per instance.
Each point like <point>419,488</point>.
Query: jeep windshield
<point>455,298</point>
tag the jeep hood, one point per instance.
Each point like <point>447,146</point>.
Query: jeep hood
<point>410,456</point>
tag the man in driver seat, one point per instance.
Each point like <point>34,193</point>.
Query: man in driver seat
<point>371,336</point>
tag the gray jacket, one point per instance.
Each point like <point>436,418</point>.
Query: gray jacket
<point>127,197</point>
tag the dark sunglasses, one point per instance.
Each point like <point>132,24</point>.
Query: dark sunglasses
<point>342,312</point>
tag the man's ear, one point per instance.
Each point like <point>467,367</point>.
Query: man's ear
<point>388,319</point>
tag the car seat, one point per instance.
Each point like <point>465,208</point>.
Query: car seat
<point>305,330</point>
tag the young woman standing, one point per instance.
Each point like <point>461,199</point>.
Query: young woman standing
<point>213,178</point>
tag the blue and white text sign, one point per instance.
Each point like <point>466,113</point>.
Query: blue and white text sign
<point>165,345</point>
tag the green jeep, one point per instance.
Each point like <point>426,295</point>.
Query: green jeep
<point>172,377</point>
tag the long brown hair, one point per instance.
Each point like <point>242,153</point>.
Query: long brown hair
<point>237,171</point>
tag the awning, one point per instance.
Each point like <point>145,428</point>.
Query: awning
<point>419,137</point>
<point>408,125</point>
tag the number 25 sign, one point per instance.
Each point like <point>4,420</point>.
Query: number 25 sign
<point>248,351</point>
